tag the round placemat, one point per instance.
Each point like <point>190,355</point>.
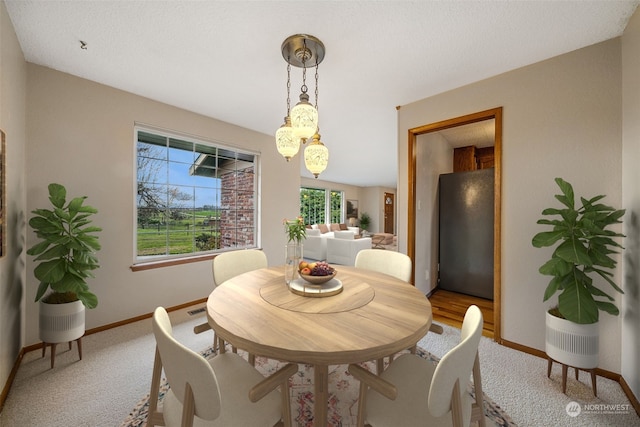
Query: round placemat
<point>355,294</point>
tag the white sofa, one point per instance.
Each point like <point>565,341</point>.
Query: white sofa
<point>343,247</point>
<point>314,245</point>
<point>330,228</point>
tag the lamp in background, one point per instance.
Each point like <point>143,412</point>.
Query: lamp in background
<point>301,121</point>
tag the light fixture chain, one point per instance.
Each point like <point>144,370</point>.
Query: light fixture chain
<point>304,80</point>
<point>304,66</point>
<point>316,86</point>
<point>288,87</point>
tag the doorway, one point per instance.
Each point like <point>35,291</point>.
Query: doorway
<point>389,209</point>
<point>414,203</point>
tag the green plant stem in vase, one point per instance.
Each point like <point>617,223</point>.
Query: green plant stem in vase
<point>295,229</point>
<point>296,233</point>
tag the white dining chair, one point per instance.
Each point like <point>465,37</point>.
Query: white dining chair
<point>222,391</point>
<point>394,264</point>
<point>226,266</point>
<point>416,392</point>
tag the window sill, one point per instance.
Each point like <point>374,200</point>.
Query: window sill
<point>171,262</point>
<point>176,261</point>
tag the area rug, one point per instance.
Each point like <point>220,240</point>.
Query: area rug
<point>343,395</point>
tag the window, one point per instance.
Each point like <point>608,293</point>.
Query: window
<point>316,205</point>
<point>193,197</point>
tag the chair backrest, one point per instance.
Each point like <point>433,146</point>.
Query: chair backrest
<point>349,235</point>
<point>231,264</point>
<point>393,263</point>
<point>182,365</point>
<point>457,364</point>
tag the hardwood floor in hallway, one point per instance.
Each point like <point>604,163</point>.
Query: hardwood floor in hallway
<point>450,307</point>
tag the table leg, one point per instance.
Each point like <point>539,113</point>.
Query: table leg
<point>321,381</point>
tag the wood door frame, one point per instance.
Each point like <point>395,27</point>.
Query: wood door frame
<point>494,113</point>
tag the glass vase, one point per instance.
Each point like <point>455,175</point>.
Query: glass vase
<point>292,258</point>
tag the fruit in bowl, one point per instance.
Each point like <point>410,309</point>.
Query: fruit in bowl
<point>316,272</point>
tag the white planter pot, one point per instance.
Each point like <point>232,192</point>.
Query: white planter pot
<point>572,344</point>
<point>61,322</point>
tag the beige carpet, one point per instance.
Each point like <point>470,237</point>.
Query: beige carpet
<point>115,373</point>
<point>342,401</point>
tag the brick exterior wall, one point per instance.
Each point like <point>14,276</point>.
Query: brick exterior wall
<point>237,222</point>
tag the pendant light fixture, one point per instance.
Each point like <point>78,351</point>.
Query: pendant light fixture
<point>316,156</point>
<point>287,144</point>
<point>301,122</point>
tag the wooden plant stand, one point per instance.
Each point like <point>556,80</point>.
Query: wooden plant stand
<point>565,368</point>
<point>53,349</point>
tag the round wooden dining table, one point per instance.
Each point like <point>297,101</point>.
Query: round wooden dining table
<point>374,316</point>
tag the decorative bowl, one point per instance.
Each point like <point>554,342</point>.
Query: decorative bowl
<point>318,280</point>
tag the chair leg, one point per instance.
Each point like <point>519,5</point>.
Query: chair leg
<point>477,409</point>
<point>362,403</point>
<point>155,417</point>
<point>286,403</point>
<point>188,407</point>
<point>436,329</point>
<point>456,405</point>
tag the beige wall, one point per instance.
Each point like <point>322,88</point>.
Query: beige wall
<point>80,134</point>
<point>373,204</point>
<point>631,201</point>
<point>562,118</point>
<point>12,122</point>
<point>434,156</point>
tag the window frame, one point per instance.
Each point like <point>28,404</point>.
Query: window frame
<point>154,261</point>
<point>327,203</point>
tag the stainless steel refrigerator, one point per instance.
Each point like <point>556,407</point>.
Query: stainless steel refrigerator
<point>466,232</point>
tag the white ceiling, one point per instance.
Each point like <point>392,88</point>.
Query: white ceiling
<point>222,58</point>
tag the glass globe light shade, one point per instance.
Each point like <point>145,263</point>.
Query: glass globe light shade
<point>316,156</point>
<point>286,143</point>
<point>304,118</point>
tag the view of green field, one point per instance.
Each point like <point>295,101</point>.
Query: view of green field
<point>193,231</point>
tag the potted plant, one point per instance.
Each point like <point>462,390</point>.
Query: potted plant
<point>66,259</point>
<point>584,245</point>
<point>365,222</point>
